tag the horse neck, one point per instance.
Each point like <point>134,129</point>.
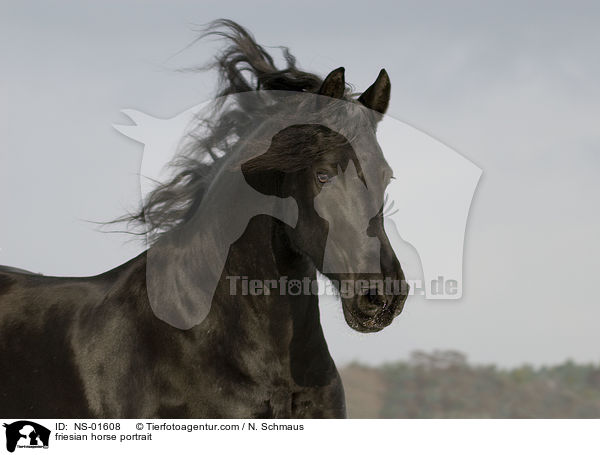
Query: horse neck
<point>263,253</point>
<point>282,327</point>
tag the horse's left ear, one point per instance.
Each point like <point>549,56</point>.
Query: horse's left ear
<point>334,84</point>
<point>377,96</point>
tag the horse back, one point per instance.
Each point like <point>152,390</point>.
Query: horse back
<point>40,372</point>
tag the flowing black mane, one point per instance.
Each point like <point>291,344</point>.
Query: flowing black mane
<point>243,66</point>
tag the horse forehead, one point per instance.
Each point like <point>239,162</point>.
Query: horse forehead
<point>372,162</point>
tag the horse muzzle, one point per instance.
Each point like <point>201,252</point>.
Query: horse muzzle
<point>372,310</point>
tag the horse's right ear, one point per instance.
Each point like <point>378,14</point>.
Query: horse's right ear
<point>377,96</point>
<point>334,84</point>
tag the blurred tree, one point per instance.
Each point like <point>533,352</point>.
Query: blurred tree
<point>442,384</point>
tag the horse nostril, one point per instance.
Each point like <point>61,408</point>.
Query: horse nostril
<point>371,295</point>
<point>373,302</point>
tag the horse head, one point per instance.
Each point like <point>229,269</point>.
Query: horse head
<point>333,167</point>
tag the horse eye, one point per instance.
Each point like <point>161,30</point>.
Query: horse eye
<point>322,177</point>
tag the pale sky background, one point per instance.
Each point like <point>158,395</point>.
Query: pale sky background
<point>513,87</point>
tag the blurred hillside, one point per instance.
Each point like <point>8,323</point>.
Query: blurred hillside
<point>443,385</point>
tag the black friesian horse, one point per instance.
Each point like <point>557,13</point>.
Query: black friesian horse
<point>141,340</point>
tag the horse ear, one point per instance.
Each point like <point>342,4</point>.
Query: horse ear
<point>377,96</point>
<point>334,84</point>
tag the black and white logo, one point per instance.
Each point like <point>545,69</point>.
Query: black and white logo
<point>25,434</point>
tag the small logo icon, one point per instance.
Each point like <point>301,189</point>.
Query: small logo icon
<point>26,435</point>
